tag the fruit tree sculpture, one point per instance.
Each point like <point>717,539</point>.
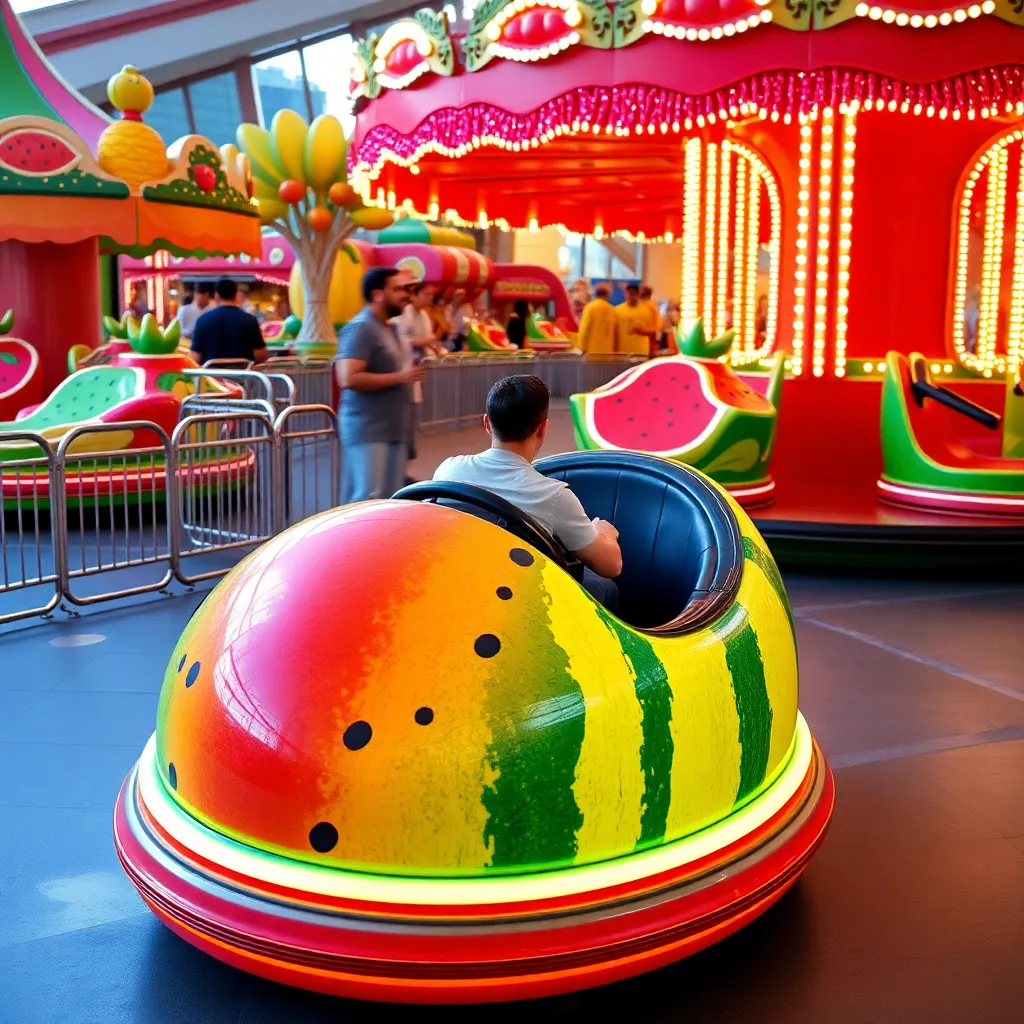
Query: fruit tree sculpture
<point>300,183</point>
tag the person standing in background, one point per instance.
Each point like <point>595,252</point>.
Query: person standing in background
<point>439,319</point>
<point>515,329</point>
<point>227,332</point>
<point>653,317</point>
<point>376,380</point>
<point>190,313</point>
<point>416,333</point>
<point>599,327</point>
<point>636,326</point>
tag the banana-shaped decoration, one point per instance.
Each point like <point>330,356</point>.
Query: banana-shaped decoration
<point>271,206</point>
<point>288,133</point>
<point>371,218</point>
<point>324,156</point>
<point>255,142</point>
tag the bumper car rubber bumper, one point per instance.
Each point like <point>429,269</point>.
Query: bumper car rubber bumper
<point>433,940</point>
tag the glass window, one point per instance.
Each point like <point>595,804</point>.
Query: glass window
<point>595,259</point>
<point>215,108</point>
<point>327,66</point>
<point>279,85</point>
<point>169,116</point>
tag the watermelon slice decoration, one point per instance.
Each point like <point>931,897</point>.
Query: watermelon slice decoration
<point>545,336</point>
<point>487,337</point>
<point>692,411</point>
<point>36,153</point>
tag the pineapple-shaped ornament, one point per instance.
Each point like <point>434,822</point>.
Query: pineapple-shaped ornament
<point>129,149</point>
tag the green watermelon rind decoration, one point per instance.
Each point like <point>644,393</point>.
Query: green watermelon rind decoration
<point>478,341</point>
<point>735,446</point>
<point>75,183</point>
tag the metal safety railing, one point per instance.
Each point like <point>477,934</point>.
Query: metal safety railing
<point>120,509</point>
<point>92,519</point>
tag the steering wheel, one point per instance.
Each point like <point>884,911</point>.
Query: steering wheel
<point>923,388</point>
<point>477,500</point>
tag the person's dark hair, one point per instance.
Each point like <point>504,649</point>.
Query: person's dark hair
<point>646,292</point>
<point>376,280</point>
<point>227,289</point>
<point>517,406</point>
<point>632,288</point>
<point>205,288</point>
<point>417,287</point>
<point>521,308</point>
<point>603,290</point>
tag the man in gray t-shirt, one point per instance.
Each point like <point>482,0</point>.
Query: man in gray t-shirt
<point>517,420</point>
<point>376,380</point>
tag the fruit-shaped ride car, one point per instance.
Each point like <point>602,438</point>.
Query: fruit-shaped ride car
<point>926,462</point>
<point>487,336</point>
<point>692,409</point>
<point>144,382</point>
<point>544,336</point>
<point>21,382</point>
<point>543,797</point>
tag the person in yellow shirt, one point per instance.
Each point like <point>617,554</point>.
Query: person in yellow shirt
<point>654,317</point>
<point>637,328</point>
<point>599,328</point>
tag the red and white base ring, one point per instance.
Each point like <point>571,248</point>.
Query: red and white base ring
<point>938,500</point>
<point>752,495</point>
<point>533,940</point>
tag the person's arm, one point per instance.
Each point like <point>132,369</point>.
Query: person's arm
<point>603,556</point>
<point>198,346</point>
<point>594,542</point>
<point>352,374</point>
<point>256,342</point>
<point>583,337</point>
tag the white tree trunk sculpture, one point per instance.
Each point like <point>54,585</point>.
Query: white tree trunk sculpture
<point>316,252</point>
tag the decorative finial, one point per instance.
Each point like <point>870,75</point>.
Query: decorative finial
<point>130,92</point>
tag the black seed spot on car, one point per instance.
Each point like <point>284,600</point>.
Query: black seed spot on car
<point>424,716</point>
<point>172,775</point>
<point>487,645</point>
<point>193,674</point>
<point>323,837</point>
<point>505,593</point>
<point>181,664</point>
<point>357,735</point>
<point>521,557</point>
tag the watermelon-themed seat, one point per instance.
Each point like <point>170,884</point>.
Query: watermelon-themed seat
<point>146,383</point>
<point>544,336</point>
<point>926,463</point>
<point>487,336</point>
<point>539,797</point>
<point>692,410</point>
<point>21,379</point>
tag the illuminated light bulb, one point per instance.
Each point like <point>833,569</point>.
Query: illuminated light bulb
<point>875,13</point>
<point>916,21</point>
<point>861,10</point>
<point>888,17</point>
<point>869,367</point>
<point>974,11</point>
<point>960,15</point>
<point>948,368</point>
<point>574,16</point>
<point>669,237</point>
<point>945,18</point>
<point>988,7</point>
<point>380,65</point>
<point>901,19</point>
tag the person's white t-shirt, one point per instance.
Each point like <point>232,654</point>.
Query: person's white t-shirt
<point>413,325</point>
<point>187,317</point>
<point>511,477</point>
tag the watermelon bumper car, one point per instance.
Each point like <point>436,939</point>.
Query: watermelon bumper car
<point>143,384</point>
<point>485,336</point>
<point>927,463</point>
<point>21,382</point>
<point>544,336</point>
<point>542,798</point>
<point>691,410</point>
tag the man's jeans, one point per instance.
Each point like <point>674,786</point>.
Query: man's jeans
<point>601,589</point>
<point>373,470</point>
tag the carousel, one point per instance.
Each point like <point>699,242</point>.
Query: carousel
<point>841,184</point>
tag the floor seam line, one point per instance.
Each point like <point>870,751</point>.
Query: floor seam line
<point>920,659</point>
